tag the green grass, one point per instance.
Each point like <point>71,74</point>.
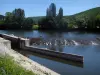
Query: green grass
<point>9,67</point>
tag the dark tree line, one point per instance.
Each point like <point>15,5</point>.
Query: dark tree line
<point>16,20</point>
<point>53,21</point>
<point>89,23</point>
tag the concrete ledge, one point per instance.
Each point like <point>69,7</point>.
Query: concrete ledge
<point>64,61</point>
<point>66,56</point>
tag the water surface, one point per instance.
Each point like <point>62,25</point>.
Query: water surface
<point>91,53</point>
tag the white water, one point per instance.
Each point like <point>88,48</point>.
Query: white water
<point>47,44</point>
<point>75,42</point>
<point>65,42</point>
<point>55,42</point>
<point>93,43</point>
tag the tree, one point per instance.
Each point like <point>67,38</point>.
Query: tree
<point>18,16</point>
<point>51,21</point>
<point>62,23</point>
<point>60,14</point>
<point>27,23</point>
<point>2,17</point>
<point>97,21</point>
<point>8,17</point>
<point>48,23</point>
<point>51,11</point>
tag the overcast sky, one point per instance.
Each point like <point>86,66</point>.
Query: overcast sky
<point>38,7</point>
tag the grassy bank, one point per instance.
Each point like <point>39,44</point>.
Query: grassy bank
<point>9,67</point>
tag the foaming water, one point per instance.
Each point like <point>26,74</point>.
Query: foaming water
<point>76,43</point>
<point>94,43</point>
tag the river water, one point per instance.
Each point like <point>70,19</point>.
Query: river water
<point>90,52</point>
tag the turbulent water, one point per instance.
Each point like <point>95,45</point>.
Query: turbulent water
<point>65,42</point>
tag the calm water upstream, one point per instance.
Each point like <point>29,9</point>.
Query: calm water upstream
<point>91,53</point>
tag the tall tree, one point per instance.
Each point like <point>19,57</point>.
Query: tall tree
<point>60,14</point>
<point>47,12</point>
<point>52,9</point>
<point>18,15</point>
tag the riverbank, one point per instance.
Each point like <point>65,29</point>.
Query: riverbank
<point>23,61</point>
<point>8,66</point>
<point>93,30</point>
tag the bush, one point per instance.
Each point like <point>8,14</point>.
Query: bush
<point>35,27</point>
<point>1,22</point>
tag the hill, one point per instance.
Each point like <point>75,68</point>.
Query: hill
<point>91,13</point>
<point>36,18</point>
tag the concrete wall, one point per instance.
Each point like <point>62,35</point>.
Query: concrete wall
<point>6,43</point>
<point>24,45</point>
<point>51,53</point>
<point>13,39</point>
<point>16,42</point>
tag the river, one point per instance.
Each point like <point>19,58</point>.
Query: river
<point>91,52</point>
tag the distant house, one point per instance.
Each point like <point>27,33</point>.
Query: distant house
<point>2,17</point>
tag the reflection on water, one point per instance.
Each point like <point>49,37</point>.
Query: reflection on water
<point>91,53</point>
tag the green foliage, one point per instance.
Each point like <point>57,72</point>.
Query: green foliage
<point>1,17</point>
<point>35,27</point>
<point>86,19</point>
<point>27,23</point>
<point>8,17</point>
<point>2,22</point>
<point>91,13</point>
<point>18,15</point>
<point>14,20</point>
<point>60,14</point>
<point>36,19</point>
<point>17,20</point>
<point>98,17</point>
<point>9,67</point>
<point>51,21</point>
<point>47,23</point>
<point>70,25</point>
<point>97,20</point>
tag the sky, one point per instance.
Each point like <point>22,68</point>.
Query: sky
<point>38,7</point>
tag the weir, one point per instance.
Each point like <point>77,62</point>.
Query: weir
<point>24,44</point>
<point>63,42</point>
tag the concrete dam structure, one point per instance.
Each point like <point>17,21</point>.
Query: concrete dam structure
<point>24,44</point>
